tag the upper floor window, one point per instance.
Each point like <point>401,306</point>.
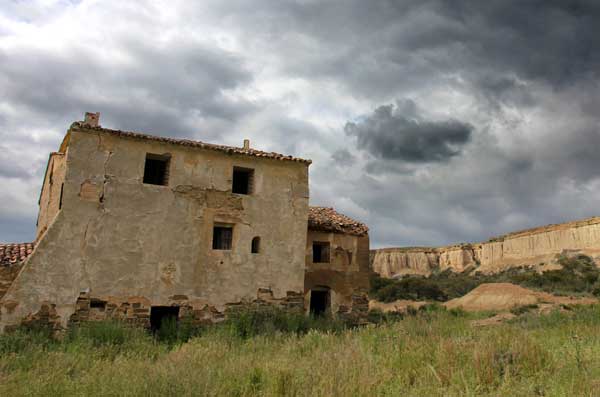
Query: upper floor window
<point>243,179</point>
<point>156,169</point>
<point>320,252</point>
<point>222,237</point>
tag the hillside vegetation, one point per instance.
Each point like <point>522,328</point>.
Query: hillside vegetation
<point>431,352</point>
<point>578,276</point>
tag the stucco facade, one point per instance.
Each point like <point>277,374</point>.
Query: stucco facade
<point>111,244</point>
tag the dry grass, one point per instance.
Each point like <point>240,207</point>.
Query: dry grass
<point>432,353</point>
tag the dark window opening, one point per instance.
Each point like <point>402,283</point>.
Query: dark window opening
<point>97,304</point>
<point>156,169</point>
<point>222,237</point>
<point>320,252</point>
<point>255,245</point>
<point>319,302</point>
<point>243,179</point>
<point>163,316</point>
<point>62,186</point>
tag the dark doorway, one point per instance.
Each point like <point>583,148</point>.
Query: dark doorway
<point>319,302</point>
<point>160,315</point>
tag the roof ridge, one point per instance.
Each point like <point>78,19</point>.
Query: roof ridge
<point>80,126</point>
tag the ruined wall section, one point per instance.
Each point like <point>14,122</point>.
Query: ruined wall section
<point>346,275</point>
<point>117,238</point>
<point>532,247</point>
<point>50,196</point>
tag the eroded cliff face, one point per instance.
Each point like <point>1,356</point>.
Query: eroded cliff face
<point>395,262</point>
<point>533,247</point>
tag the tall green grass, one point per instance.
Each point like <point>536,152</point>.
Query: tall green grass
<point>429,353</point>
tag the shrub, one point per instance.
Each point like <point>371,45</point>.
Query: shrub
<point>518,310</point>
<point>260,321</point>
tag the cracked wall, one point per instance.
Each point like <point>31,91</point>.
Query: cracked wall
<point>50,196</point>
<point>117,238</point>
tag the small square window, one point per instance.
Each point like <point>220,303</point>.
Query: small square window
<point>222,237</point>
<point>156,169</point>
<point>243,179</point>
<point>320,252</point>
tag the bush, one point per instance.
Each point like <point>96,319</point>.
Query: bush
<point>518,310</point>
<point>413,288</point>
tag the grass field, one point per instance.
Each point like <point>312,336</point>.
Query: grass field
<point>433,353</point>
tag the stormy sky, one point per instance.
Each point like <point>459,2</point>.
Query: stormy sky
<point>434,122</point>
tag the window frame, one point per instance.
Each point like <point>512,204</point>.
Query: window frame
<point>155,157</point>
<point>218,243</point>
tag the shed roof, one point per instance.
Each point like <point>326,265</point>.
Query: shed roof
<point>80,126</point>
<point>14,253</point>
<point>329,220</point>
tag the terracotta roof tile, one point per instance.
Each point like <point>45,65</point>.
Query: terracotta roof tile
<point>329,220</point>
<point>78,125</point>
<point>14,253</point>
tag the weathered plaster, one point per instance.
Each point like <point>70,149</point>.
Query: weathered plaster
<point>117,237</point>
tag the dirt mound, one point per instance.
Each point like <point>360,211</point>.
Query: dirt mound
<point>504,296</point>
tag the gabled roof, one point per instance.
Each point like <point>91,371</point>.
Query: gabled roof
<point>14,253</point>
<point>329,220</point>
<point>80,126</point>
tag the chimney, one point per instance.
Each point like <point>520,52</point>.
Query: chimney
<point>246,144</point>
<point>92,119</point>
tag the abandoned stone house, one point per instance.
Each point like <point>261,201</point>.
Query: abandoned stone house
<point>141,228</point>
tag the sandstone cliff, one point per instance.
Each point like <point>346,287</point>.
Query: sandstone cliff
<point>529,247</point>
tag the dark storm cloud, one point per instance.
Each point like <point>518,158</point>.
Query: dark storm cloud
<point>377,48</point>
<point>343,157</point>
<point>173,89</point>
<point>389,135</point>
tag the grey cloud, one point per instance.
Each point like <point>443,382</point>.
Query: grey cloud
<point>173,90</point>
<point>390,135</point>
<point>343,157</point>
